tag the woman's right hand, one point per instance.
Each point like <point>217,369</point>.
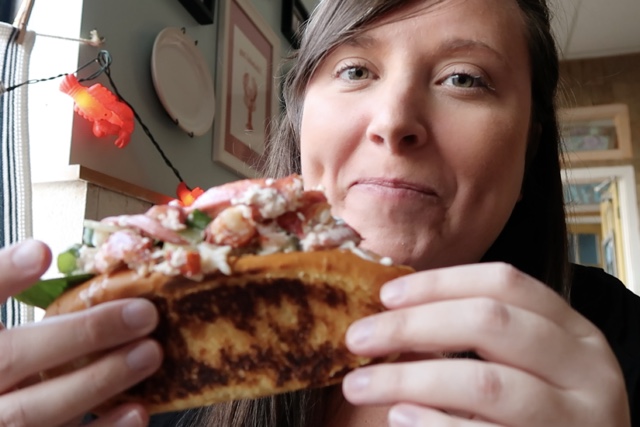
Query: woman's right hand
<point>121,326</point>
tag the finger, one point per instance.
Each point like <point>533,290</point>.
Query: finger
<point>21,265</point>
<point>495,331</point>
<point>58,400</point>
<point>499,281</point>
<point>406,415</point>
<point>35,347</point>
<point>123,416</point>
<point>492,392</point>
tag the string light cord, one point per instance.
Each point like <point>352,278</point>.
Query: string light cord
<point>103,58</point>
<point>104,61</point>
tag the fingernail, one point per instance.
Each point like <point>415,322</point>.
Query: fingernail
<point>357,380</point>
<point>27,256</point>
<point>360,332</point>
<point>402,417</point>
<point>143,356</point>
<point>139,314</point>
<point>130,419</point>
<point>393,292</point>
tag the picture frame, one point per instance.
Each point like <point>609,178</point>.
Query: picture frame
<point>247,62</point>
<point>294,15</point>
<point>201,10</point>
<point>593,133</point>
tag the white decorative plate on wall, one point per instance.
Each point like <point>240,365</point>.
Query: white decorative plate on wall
<point>183,81</point>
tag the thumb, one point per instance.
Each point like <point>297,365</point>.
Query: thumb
<point>21,265</point>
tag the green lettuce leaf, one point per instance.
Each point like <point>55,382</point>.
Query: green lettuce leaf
<point>44,292</point>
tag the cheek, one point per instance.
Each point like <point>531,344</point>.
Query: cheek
<point>310,135</point>
<point>488,161</point>
<point>491,152</point>
<point>329,135</point>
<point>310,161</point>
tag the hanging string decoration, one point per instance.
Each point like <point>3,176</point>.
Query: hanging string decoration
<point>185,198</point>
<point>110,113</point>
<point>101,107</point>
<point>97,104</point>
<point>186,195</point>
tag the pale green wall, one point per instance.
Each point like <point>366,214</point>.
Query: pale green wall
<point>130,28</point>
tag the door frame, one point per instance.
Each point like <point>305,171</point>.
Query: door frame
<point>626,178</point>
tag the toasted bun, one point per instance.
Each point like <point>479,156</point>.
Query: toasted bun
<point>276,324</point>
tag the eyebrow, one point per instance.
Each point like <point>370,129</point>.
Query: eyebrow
<point>365,41</point>
<point>362,41</point>
<point>458,44</point>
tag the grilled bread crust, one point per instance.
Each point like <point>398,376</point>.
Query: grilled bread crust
<point>276,324</point>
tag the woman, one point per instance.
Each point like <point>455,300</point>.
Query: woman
<point>432,127</point>
<point>431,124</point>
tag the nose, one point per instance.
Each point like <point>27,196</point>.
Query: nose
<point>398,117</point>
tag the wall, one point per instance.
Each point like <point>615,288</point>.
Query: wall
<point>606,81</point>
<point>130,28</point>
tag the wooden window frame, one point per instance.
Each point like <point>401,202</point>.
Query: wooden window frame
<point>618,113</point>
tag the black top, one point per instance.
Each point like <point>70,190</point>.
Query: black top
<point>613,308</point>
<point>602,299</point>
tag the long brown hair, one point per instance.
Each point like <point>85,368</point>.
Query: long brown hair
<point>534,238</point>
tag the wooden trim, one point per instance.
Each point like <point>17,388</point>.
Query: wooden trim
<point>79,172</point>
<point>585,228</point>
<point>619,113</point>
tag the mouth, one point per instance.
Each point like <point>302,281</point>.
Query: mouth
<point>395,185</point>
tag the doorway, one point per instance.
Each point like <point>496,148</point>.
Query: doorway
<point>602,218</point>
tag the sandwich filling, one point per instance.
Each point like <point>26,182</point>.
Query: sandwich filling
<point>258,217</point>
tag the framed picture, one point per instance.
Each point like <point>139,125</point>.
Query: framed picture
<point>294,15</point>
<point>248,59</point>
<point>201,10</point>
<point>600,132</point>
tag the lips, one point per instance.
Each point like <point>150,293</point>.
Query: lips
<point>396,184</point>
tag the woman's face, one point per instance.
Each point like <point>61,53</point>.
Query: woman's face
<point>418,128</point>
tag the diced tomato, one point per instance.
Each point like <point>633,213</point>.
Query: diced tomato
<point>192,265</point>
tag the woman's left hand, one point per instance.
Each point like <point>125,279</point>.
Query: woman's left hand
<point>543,363</point>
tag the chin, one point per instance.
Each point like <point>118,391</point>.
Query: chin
<point>391,238</point>
<point>402,251</point>
<point>422,252</point>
